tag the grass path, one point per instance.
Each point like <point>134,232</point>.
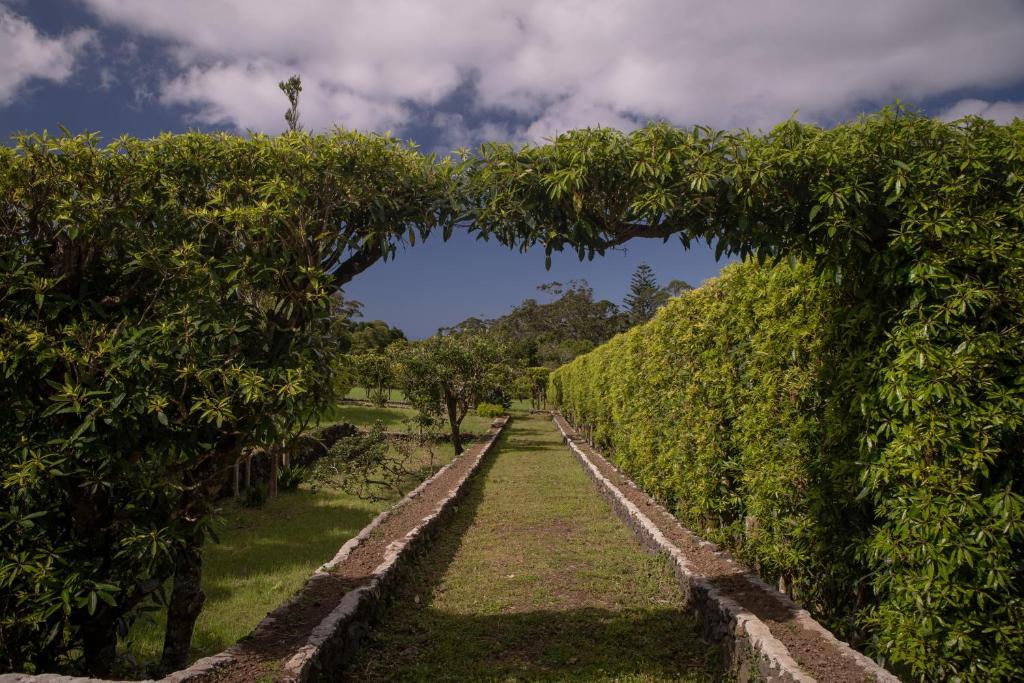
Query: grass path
<point>536,579</point>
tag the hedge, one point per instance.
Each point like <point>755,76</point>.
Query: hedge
<point>164,305</point>
<point>739,407</point>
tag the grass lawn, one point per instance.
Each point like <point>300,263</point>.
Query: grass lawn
<point>536,579</point>
<point>360,394</point>
<point>264,556</point>
<point>394,418</point>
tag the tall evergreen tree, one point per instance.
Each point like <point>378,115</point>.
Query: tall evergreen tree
<point>644,296</point>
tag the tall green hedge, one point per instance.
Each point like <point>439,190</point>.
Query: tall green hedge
<point>740,406</point>
<point>717,407</point>
<point>164,304</point>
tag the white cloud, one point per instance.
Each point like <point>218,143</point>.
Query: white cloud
<point>560,64</point>
<point>1000,112</point>
<point>25,54</point>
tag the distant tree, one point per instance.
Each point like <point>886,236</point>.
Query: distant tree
<point>291,88</point>
<point>552,333</point>
<point>375,372</point>
<point>375,335</point>
<point>676,288</point>
<point>644,296</point>
<point>451,374</point>
<point>532,384</point>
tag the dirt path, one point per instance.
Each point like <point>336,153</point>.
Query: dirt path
<point>536,579</point>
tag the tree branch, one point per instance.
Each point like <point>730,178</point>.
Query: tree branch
<point>357,263</point>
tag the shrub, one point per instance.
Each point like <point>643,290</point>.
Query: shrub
<point>257,495</point>
<point>289,478</point>
<point>490,410</point>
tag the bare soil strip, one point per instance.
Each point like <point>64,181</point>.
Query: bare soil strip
<point>535,579</point>
<point>814,649</point>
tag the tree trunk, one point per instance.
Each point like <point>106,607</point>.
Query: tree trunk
<point>237,479</point>
<point>453,420</point>
<point>273,473</point>
<point>99,645</point>
<point>184,607</point>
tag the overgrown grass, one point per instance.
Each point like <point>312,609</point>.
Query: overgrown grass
<point>537,580</point>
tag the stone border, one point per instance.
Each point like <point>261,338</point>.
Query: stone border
<point>753,652</point>
<point>330,645</point>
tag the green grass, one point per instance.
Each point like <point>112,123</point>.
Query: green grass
<point>360,394</point>
<point>535,579</point>
<point>367,415</point>
<point>264,556</point>
<point>395,418</point>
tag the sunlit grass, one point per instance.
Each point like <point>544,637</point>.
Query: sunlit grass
<point>264,556</point>
<point>536,579</point>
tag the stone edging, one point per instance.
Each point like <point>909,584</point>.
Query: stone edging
<point>333,641</point>
<point>754,653</point>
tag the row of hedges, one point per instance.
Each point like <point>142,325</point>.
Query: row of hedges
<point>741,406</point>
<point>166,304</point>
<point>717,407</point>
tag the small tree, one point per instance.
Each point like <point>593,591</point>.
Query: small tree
<point>374,371</point>
<point>291,88</point>
<point>450,375</point>
<point>644,296</point>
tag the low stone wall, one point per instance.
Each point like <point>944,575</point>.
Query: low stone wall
<point>753,652</point>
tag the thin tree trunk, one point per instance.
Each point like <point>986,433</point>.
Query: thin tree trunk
<point>454,422</point>
<point>273,473</point>
<point>237,478</point>
<point>186,603</point>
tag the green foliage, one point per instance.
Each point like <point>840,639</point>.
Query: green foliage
<point>908,437</point>
<point>291,88</point>
<point>532,384</point>
<point>375,372</point>
<point>257,495</point>
<point>552,333</point>
<point>449,375</point>
<point>289,478</point>
<point>644,296</point>
<point>375,465</point>
<point>374,335</point>
<point>164,304</point>
<point>489,410</point>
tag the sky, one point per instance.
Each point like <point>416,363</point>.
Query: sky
<point>449,74</point>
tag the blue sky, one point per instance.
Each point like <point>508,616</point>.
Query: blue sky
<point>453,73</point>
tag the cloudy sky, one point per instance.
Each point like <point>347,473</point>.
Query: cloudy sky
<point>452,73</point>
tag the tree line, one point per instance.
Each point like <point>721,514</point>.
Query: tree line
<point>573,322</point>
